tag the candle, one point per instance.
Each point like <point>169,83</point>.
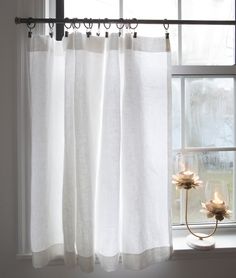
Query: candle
<point>216,208</point>
<point>217,199</point>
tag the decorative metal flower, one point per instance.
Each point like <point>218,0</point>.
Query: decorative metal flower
<point>186,180</point>
<point>219,210</point>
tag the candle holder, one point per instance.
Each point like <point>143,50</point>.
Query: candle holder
<point>215,207</point>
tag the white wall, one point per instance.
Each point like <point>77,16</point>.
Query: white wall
<point>9,266</point>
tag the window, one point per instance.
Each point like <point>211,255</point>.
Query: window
<point>204,102</point>
<point>203,86</point>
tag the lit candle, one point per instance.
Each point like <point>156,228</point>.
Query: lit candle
<point>217,199</point>
<point>217,208</point>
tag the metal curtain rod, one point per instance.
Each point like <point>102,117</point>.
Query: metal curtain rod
<point>19,20</point>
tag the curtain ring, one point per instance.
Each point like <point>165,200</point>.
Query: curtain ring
<point>90,24</point>
<point>67,27</point>
<point>74,23</point>
<point>133,28</point>
<point>109,24</point>
<point>31,25</point>
<point>120,27</point>
<point>166,25</point>
<point>51,24</point>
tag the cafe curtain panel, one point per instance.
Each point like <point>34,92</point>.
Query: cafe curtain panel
<point>100,126</point>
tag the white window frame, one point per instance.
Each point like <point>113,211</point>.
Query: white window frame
<point>184,71</point>
<point>205,72</point>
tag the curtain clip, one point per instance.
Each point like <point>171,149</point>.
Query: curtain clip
<point>134,27</point>
<point>166,27</point>
<point>51,25</point>
<point>31,26</point>
<point>88,27</point>
<point>98,30</point>
<point>67,27</point>
<point>121,26</point>
<point>107,27</point>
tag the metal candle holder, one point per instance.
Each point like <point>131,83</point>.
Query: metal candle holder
<point>213,208</point>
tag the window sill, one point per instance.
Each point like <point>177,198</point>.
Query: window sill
<point>225,238</point>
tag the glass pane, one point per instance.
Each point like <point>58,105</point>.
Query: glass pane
<point>215,167</point>
<point>176,206</point>
<point>92,8</point>
<point>209,115</point>
<point>208,45</point>
<point>151,9</point>
<point>208,9</point>
<point>155,9</point>
<point>176,113</point>
<point>177,203</point>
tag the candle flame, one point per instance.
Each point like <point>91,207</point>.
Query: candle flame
<point>188,173</point>
<point>217,199</point>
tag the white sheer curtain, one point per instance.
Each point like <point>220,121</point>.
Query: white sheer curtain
<point>25,8</point>
<point>100,112</point>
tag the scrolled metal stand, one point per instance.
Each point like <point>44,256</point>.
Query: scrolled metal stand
<point>201,237</point>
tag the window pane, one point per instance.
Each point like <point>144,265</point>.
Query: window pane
<point>208,9</point>
<point>176,144</point>
<point>151,9</point>
<point>92,8</point>
<point>176,206</point>
<point>154,9</point>
<point>176,113</point>
<point>212,166</point>
<point>209,112</point>
<point>208,45</point>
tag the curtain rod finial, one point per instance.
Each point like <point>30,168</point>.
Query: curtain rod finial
<point>17,20</point>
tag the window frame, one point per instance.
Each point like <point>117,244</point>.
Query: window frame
<point>185,71</point>
<point>59,10</point>
<point>205,72</point>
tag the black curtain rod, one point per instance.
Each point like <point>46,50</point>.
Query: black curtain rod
<point>19,20</point>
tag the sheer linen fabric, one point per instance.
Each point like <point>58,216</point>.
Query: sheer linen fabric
<point>100,151</point>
